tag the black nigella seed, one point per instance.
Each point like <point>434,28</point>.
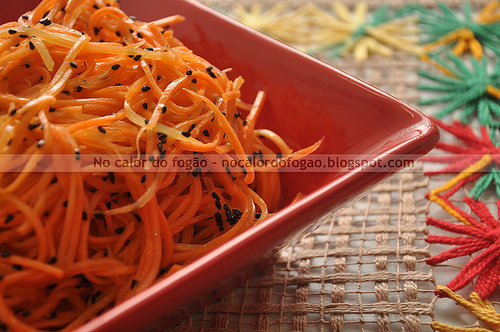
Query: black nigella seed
<point>96,31</point>
<point>146,121</point>
<point>54,180</point>
<point>52,260</point>
<point>133,283</point>
<point>101,129</point>
<point>126,243</point>
<point>119,230</point>
<point>108,205</point>
<point>111,176</point>
<point>194,80</point>
<point>206,133</point>
<point>186,134</point>
<point>137,57</point>
<point>145,106</point>
<point>115,66</point>
<point>118,34</point>
<point>52,109</point>
<point>31,45</point>
<point>34,125</point>
<point>279,155</point>
<point>244,169</point>
<point>27,65</point>
<point>78,89</point>
<point>151,158</point>
<point>146,88</point>
<point>73,64</point>
<point>189,72</point>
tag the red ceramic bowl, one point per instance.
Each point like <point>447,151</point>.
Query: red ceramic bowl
<point>307,100</point>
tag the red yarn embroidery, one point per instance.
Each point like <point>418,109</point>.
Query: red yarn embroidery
<point>482,233</point>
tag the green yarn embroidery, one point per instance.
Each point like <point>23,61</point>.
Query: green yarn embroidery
<point>451,28</point>
<point>473,90</point>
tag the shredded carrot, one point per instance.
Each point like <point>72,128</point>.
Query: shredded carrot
<point>80,79</point>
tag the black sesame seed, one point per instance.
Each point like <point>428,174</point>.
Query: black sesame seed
<point>218,205</point>
<point>27,65</point>
<point>26,313</point>
<point>158,77</point>
<point>17,267</point>
<point>244,169</point>
<point>163,270</point>
<point>146,88</point>
<point>118,34</point>
<point>119,230</point>
<point>137,217</point>
<point>99,215</point>
<point>52,260</point>
<point>33,125</point>
<point>149,49</point>
<point>96,31</point>
<point>95,6</point>
<point>23,36</point>
<point>25,17</point>
<point>279,155</point>
<point>73,64</point>
<point>186,134</point>
<point>215,196</point>
<point>46,21</point>
<point>164,109</point>
<point>66,92</point>
<point>126,243</point>
<point>108,205</point>
<point>237,114</point>
<point>145,106</point>
<point>50,287</point>
<point>52,315</point>
<point>65,203</point>
<point>159,146</point>
<point>189,72</point>
<point>94,297</point>
<point>115,66</point>
<point>84,215</point>
<point>31,45</point>
<point>13,112</point>
<point>4,254</point>
<point>46,214</point>
<point>101,129</point>
<point>52,109</point>
<point>143,179</point>
<point>54,180</point>
<point>78,89</point>
<point>137,57</point>
<point>133,18</point>
<point>196,172</point>
<point>111,176</point>
<point>206,133</point>
<point>257,215</point>
<point>133,283</point>
<point>139,34</point>
<point>151,158</point>
<point>12,32</point>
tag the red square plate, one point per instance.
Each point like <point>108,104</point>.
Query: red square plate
<point>307,100</point>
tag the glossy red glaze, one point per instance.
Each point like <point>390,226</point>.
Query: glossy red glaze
<point>307,100</point>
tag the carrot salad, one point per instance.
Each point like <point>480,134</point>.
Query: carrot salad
<point>81,78</point>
